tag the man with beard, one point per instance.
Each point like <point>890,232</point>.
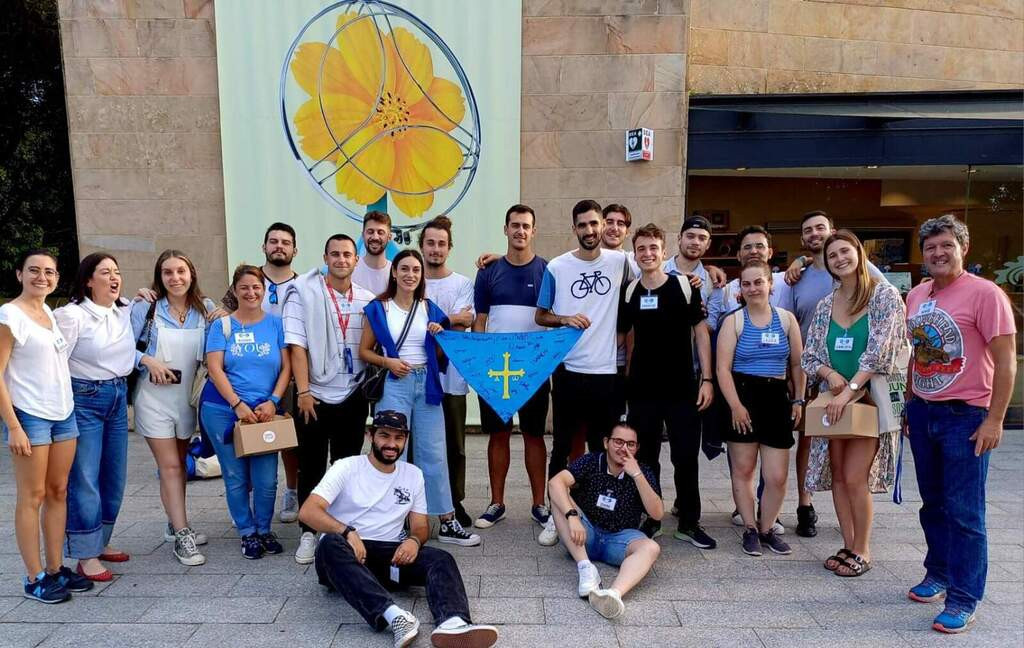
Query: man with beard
<point>693,242</point>
<point>323,322</point>
<point>361,506</point>
<point>453,293</point>
<point>581,289</point>
<point>374,268</point>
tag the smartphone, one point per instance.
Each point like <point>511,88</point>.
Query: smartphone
<point>177,376</point>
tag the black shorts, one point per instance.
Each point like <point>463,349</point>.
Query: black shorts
<point>767,401</point>
<point>533,415</point>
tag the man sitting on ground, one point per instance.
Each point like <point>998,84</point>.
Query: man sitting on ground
<point>599,520</point>
<point>376,492</point>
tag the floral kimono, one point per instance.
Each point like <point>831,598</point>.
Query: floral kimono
<point>887,338</point>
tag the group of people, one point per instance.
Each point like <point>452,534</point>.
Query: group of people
<point>667,347</point>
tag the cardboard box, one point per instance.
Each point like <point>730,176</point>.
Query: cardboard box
<point>262,438</point>
<point>859,420</point>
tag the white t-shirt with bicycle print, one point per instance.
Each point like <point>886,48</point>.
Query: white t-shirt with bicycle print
<point>571,286</point>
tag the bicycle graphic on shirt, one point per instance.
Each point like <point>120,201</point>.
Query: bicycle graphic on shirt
<point>588,283</point>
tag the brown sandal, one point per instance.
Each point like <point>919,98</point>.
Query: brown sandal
<point>838,558</point>
<point>854,566</point>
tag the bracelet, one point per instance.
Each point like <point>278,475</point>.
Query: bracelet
<point>638,473</point>
<point>303,392</point>
<point>704,380</point>
<point>416,540</point>
<point>236,404</point>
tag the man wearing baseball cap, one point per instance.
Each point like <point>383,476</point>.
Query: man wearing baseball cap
<point>360,508</point>
<point>694,241</point>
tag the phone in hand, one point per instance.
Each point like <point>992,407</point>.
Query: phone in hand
<point>177,376</point>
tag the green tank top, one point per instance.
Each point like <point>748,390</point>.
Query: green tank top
<point>846,361</point>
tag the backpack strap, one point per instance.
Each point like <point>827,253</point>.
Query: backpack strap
<point>225,326</point>
<point>684,284</point>
<point>738,322</point>
<point>631,288</point>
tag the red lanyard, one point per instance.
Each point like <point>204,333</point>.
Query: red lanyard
<point>342,321</point>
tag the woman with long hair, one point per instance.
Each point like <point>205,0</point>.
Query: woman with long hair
<point>169,336</point>
<point>857,333</point>
<point>413,385</point>
<point>249,370</point>
<point>39,427</point>
<point>757,344</point>
<point>97,327</point>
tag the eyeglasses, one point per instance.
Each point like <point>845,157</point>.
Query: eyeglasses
<point>273,293</point>
<point>618,443</point>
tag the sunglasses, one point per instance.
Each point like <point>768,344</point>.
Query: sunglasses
<point>273,293</point>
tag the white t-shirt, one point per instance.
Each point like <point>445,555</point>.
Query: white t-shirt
<point>374,280</point>
<point>412,350</point>
<point>374,502</point>
<point>571,286</point>
<point>100,340</point>
<point>37,374</point>
<point>275,306</point>
<point>341,386</point>
<point>452,294</point>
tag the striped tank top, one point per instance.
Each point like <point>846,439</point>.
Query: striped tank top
<point>761,351</point>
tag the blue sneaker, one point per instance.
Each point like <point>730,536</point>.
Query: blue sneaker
<point>46,589</point>
<point>953,620</point>
<point>73,582</point>
<point>927,591</point>
<point>540,514</point>
<point>490,517</point>
<point>252,548</point>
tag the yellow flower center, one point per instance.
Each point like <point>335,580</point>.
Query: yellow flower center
<point>391,114</point>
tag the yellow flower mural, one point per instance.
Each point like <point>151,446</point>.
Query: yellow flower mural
<point>379,114</point>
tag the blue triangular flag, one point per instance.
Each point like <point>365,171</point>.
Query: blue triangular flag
<point>506,369</point>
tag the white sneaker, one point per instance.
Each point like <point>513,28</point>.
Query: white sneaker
<point>306,551</point>
<point>778,528</point>
<point>607,602</point>
<point>169,535</point>
<point>737,519</point>
<point>289,506</point>
<point>464,636</point>
<point>405,627</point>
<point>590,579</point>
<point>549,535</point>
<point>185,548</point>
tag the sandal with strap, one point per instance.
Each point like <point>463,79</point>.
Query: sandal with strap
<point>838,558</point>
<point>854,566</point>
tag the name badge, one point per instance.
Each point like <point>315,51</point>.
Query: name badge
<point>348,360</point>
<point>245,337</point>
<point>607,502</point>
<point>769,338</point>
<point>648,302</point>
<point>59,342</point>
<point>394,573</point>
<point>926,308</point>
<point>844,344</point>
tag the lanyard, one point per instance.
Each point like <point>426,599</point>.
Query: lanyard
<point>342,321</point>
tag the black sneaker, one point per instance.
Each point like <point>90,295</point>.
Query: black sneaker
<point>697,537</point>
<point>270,543</point>
<point>462,516</point>
<point>71,581</point>
<point>774,542</point>
<point>806,518</point>
<point>453,533</point>
<point>751,542</point>
<point>252,548</point>
<point>651,528</point>
<point>46,589</point>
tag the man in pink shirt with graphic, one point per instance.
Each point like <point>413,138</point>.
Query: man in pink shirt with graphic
<point>961,376</point>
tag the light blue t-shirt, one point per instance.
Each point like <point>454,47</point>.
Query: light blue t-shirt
<point>252,358</point>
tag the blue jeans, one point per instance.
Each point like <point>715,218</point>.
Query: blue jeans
<point>98,474</point>
<point>426,424</point>
<point>952,485</point>
<point>608,546</point>
<point>256,474</point>
<point>42,431</point>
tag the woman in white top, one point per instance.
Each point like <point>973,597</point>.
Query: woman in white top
<point>101,347</point>
<point>38,425</point>
<point>170,333</point>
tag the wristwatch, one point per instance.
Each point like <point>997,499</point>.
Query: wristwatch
<point>571,512</point>
<point>855,387</point>
<point>348,529</point>
<point>798,401</point>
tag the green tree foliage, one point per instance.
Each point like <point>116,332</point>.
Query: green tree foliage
<point>36,198</point>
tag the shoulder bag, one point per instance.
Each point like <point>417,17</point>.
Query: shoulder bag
<point>371,378</point>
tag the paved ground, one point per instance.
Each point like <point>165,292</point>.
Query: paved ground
<point>693,598</point>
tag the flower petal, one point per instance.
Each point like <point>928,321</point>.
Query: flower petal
<point>409,64</point>
<point>425,160</point>
<point>342,113</point>
<point>376,160</point>
<point>448,98</point>
<point>361,48</point>
<point>336,78</point>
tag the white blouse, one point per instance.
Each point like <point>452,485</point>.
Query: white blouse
<point>412,350</point>
<point>100,340</point>
<point>37,374</point>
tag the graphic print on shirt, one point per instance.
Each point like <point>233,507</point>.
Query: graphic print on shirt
<point>938,350</point>
<point>402,495</point>
<point>262,350</point>
<point>588,283</point>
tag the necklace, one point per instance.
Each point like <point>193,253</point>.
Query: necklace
<point>181,315</point>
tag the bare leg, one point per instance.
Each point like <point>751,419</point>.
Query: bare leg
<point>498,459</point>
<point>172,479</point>
<point>578,552</point>
<point>774,469</point>
<point>290,459</point>
<point>536,458</point>
<point>744,461</point>
<point>640,557</point>
<point>55,503</point>
<point>860,453</point>
<point>30,475</point>
<point>837,449</point>
<point>803,455</point>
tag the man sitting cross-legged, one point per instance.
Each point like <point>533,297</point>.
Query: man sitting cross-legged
<point>376,493</point>
<point>599,519</point>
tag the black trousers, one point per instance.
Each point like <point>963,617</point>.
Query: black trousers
<point>361,584</point>
<point>337,432</point>
<point>678,414</point>
<point>580,402</point>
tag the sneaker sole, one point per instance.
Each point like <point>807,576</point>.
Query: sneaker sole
<point>606,605</point>
<point>460,542</point>
<point>926,599</point>
<point>547,543</point>
<point>409,636</point>
<point>47,602</point>
<point>477,637</point>
<point>943,629</point>
<point>685,538</point>
<point>751,553</point>
<point>288,518</point>
<point>779,553</point>
<point>484,524</point>
<point>806,533</point>
<point>191,562</point>
<point>302,560</point>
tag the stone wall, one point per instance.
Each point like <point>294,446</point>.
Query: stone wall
<point>784,46</point>
<point>144,124</point>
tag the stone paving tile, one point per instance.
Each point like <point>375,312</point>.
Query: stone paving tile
<point>21,635</point>
<point>863,636</point>
<point>9,603</point>
<point>330,608</point>
<point>742,615</point>
<point>212,610</point>
<point>577,611</point>
<point>976,638</point>
<point>686,638</point>
<point>185,585</point>
<point>277,635</point>
<point>494,611</point>
<point>555,585</point>
<point>574,636</point>
<point>93,609</point>
<point>116,635</point>
<point>906,616</point>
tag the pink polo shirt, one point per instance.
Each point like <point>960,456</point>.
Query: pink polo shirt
<point>950,329</point>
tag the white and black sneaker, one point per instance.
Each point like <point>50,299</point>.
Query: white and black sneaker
<point>404,627</point>
<point>453,533</point>
<point>185,549</point>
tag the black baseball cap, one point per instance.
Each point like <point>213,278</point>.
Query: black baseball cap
<point>391,419</point>
<point>696,222</point>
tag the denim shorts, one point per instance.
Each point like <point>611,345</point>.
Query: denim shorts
<point>609,546</point>
<point>42,431</point>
